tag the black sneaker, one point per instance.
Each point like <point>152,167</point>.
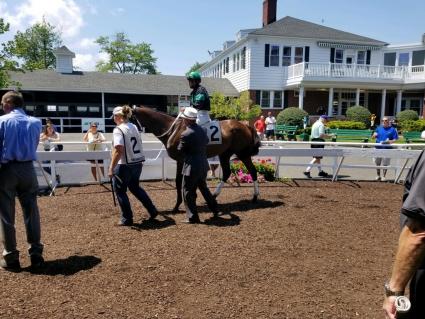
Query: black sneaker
<point>307,174</point>
<point>323,174</point>
<point>13,266</point>
<point>37,261</point>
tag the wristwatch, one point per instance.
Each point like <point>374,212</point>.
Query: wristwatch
<point>389,292</point>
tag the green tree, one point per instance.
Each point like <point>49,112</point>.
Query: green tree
<point>241,108</point>
<point>195,67</point>
<point>35,46</point>
<point>6,64</point>
<point>125,57</point>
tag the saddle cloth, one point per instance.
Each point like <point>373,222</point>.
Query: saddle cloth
<point>213,131</point>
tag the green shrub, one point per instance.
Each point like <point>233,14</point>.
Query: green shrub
<point>347,125</point>
<point>358,114</point>
<point>410,125</point>
<point>407,115</point>
<point>291,116</point>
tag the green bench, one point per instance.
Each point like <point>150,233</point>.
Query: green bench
<point>283,130</point>
<point>351,135</point>
<point>413,137</point>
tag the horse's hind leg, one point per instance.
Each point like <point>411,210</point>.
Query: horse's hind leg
<point>225,166</point>
<point>253,172</point>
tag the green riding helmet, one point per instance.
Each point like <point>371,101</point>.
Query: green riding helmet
<point>194,75</point>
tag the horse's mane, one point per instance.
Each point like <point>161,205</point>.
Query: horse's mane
<point>151,109</point>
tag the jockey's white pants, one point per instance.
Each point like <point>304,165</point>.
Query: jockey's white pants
<point>203,117</point>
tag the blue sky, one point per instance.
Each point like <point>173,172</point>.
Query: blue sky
<point>181,31</point>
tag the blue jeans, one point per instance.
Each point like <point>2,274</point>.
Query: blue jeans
<point>127,176</point>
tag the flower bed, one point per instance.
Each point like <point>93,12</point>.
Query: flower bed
<point>265,169</point>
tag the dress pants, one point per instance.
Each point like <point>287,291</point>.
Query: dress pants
<point>190,184</point>
<point>19,179</point>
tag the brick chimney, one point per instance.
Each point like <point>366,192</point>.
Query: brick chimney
<point>269,11</point>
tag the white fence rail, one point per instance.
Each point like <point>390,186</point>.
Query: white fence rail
<point>281,152</point>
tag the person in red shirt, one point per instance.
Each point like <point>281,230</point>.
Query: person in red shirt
<point>260,126</point>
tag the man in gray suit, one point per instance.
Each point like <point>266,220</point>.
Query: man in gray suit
<point>193,145</point>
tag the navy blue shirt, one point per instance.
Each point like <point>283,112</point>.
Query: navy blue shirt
<point>19,136</point>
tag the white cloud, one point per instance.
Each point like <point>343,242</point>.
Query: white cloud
<point>66,15</point>
<point>87,62</point>
<point>87,43</point>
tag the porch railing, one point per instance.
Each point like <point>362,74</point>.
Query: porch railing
<point>339,70</point>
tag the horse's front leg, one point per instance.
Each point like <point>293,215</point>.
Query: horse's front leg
<point>253,172</point>
<point>179,180</point>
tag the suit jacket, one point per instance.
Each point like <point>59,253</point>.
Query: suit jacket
<point>193,145</point>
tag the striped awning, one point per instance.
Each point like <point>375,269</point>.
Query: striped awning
<point>347,46</point>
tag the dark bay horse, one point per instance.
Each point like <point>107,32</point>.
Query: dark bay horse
<point>237,138</point>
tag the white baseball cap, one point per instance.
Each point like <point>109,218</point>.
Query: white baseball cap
<point>190,113</point>
<point>117,110</point>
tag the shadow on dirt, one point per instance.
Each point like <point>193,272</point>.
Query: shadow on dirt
<point>155,224</point>
<point>66,267</point>
<point>246,205</point>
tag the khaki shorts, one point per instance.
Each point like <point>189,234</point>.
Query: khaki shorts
<point>381,161</point>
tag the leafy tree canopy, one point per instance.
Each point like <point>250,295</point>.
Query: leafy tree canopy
<point>5,63</point>
<point>125,57</point>
<point>35,46</point>
<point>195,67</point>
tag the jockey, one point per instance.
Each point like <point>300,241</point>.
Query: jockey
<point>199,98</point>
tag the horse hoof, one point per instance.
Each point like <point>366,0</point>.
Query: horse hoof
<point>254,199</point>
<point>175,209</point>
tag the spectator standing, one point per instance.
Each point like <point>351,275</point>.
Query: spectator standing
<point>48,136</point>
<point>19,138</point>
<point>385,134</point>
<point>318,135</point>
<point>260,127</point>
<point>409,263</point>
<point>95,140</point>
<point>126,165</point>
<point>270,126</point>
<point>193,145</point>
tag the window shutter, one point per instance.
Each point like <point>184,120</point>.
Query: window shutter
<point>267,55</point>
<point>285,99</point>
<point>307,54</point>
<point>258,97</point>
<point>368,57</point>
<point>332,55</point>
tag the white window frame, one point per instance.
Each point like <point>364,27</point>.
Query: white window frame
<point>298,58</point>
<point>286,59</point>
<point>273,57</point>
<point>361,57</point>
<point>340,60</point>
<point>262,98</point>
<point>273,99</point>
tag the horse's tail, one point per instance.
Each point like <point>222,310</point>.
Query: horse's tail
<point>256,142</point>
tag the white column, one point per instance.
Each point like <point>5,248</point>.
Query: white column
<point>383,101</point>
<point>271,99</point>
<point>301,98</point>
<point>330,101</point>
<point>399,96</point>
<point>358,97</point>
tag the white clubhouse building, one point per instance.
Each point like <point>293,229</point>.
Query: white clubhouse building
<point>291,62</point>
